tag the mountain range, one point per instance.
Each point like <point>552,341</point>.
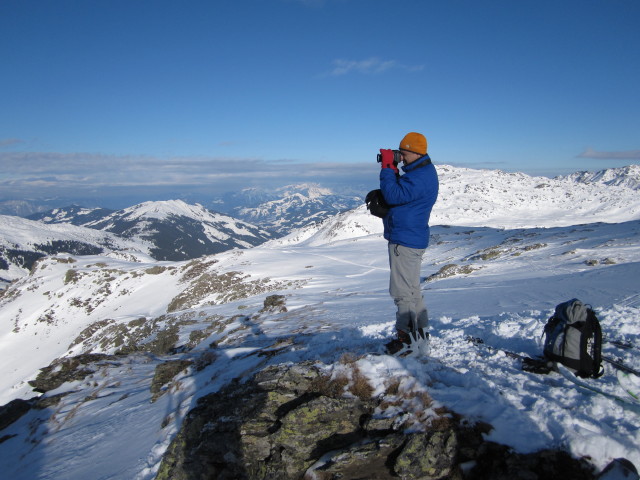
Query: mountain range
<point>175,230</point>
<point>628,176</point>
<point>292,206</point>
<point>23,242</point>
<point>264,206</point>
<point>166,230</point>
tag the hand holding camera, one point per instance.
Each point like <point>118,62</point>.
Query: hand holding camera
<point>389,158</point>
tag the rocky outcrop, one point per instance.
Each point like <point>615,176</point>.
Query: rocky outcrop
<point>273,426</point>
<point>62,370</point>
<point>12,411</point>
<point>67,369</point>
<point>164,373</point>
<point>297,422</point>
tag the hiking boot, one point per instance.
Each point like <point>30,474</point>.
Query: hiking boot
<point>397,344</point>
<point>420,342</point>
<point>421,333</point>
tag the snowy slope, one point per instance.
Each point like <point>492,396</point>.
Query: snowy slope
<point>23,241</point>
<point>497,284</point>
<point>494,198</point>
<point>74,214</point>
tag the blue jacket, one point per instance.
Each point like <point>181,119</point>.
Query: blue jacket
<point>411,197</point>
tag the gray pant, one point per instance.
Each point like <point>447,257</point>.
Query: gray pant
<point>404,287</point>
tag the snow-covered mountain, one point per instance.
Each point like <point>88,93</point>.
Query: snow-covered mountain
<point>628,176</point>
<point>495,198</point>
<point>21,208</point>
<point>475,198</point>
<point>177,230</point>
<point>468,196</point>
<point>74,215</point>
<point>27,207</point>
<point>293,206</point>
<point>23,242</point>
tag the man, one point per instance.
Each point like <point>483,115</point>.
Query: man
<point>406,227</point>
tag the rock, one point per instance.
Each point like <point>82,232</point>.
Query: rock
<point>274,303</point>
<point>366,461</point>
<point>293,421</point>
<point>164,373</point>
<point>428,455</point>
<point>16,409</point>
<point>273,426</point>
<point>498,462</point>
<point>65,370</point>
<point>13,410</point>
<point>314,428</point>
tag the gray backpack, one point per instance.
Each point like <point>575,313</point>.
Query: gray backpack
<point>573,337</point>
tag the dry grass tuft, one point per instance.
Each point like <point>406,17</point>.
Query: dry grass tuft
<point>360,385</point>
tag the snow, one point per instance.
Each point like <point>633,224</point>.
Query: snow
<point>512,200</point>
<point>22,234</point>
<point>20,231</point>
<point>335,279</point>
<point>628,176</point>
<point>163,209</point>
<point>211,222</point>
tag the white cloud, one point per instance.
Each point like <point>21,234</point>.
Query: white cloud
<point>370,66</point>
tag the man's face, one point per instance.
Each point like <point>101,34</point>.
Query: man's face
<point>409,157</point>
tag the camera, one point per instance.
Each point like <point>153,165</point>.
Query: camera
<point>397,157</point>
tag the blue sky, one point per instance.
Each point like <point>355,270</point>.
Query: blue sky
<point>140,92</point>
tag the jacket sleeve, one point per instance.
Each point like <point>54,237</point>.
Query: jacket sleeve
<point>398,190</point>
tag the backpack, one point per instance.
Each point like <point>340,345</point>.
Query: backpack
<point>376,203</point>
<point>573,337</point>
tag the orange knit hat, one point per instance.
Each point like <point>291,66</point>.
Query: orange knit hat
<point>414,142</point>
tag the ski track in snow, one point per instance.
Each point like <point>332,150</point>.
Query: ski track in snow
<point>108,424</point>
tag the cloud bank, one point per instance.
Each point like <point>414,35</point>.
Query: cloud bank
<point>626,155</point>
<point>9,142</point>
<point>38,175</point>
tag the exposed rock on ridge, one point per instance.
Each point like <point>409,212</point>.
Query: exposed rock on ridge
<point>293,422</point>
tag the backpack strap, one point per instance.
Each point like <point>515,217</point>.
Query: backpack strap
<point>596,346</point>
